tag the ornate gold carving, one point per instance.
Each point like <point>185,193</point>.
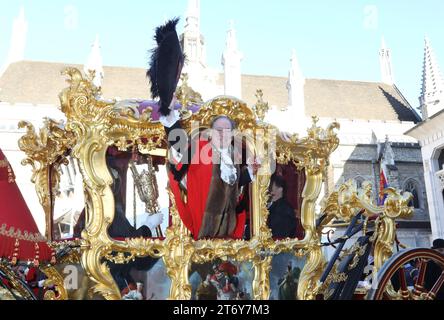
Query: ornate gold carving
<point>147,188</point>
<point>357,251</point>
<point>95,124</point>
<point>177,256</point>
<point>312,152</point>
<point>54,279</point>
<point>261,107</point>
<point>237,110</point>
<point>396,206</point>
<point>333,277</point>
<point>45,152</point>
<point>347,201</point>
<point>261,282</point>
<point>187,96</point>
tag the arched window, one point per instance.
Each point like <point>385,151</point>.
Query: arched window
<point>412,187</point>
<point>359,180</point>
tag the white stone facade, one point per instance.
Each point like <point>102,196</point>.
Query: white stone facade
<point>431,137</point>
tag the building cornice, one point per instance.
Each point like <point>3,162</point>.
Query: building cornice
<point>429,130</point>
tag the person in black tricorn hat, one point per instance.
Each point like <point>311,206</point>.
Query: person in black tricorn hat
<point>434,271</point>
<point>206,191</point>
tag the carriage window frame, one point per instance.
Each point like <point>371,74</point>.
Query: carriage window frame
<point>94,123</point>
<point>98,123</point>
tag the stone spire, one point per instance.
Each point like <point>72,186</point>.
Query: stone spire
<point>94,63</point>
<point>432,91</point>
<point>192,41</point>
<point>231,61</point>
<point>295,84</point>
<point>192,22</point>
<point>18,40</point>
<point>385,61</point>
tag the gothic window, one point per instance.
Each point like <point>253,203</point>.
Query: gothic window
<point>412,187</point>
<point>359,181</point>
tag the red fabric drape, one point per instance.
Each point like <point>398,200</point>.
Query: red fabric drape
<point>19,235</point>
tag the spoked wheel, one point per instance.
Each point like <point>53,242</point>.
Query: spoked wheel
<point>414,274</point>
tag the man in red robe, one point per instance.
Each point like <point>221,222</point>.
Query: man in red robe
<point>206,188</point>
<point>207,180</point>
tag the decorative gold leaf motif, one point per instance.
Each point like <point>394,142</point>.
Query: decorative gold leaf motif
<point>94,124</point>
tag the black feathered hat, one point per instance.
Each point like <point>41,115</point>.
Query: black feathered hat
<point>165,65</point>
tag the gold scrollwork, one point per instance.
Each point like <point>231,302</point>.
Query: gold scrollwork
<point>348,201</point>
<point>97,124</point>
<point>94,124</point>
<point>186,95</point>
<point>55,279</point>
<point>45,152</point>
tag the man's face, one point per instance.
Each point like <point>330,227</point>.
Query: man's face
<point>440,250</point>
<point>276,192</point>
<point>222,133</point>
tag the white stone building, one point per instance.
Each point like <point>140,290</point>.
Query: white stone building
<point>430,133</point>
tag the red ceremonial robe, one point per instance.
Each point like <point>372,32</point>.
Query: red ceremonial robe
<point>198,185</point>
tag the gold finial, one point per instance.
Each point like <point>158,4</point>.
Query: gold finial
<point>315,131</point>
<point>184,91</point>
<point>187,96</point>
<point>261,107</point>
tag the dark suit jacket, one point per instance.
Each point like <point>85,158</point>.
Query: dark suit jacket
<point>282,219</point>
